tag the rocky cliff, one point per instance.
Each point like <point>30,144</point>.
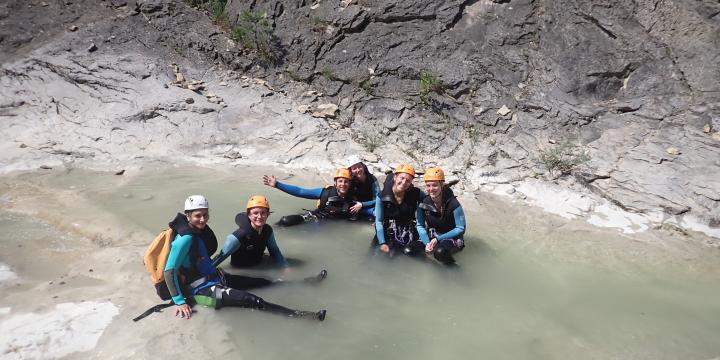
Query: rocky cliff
<point>480,87</point>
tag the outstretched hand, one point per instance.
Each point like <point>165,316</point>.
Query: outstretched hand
<point>269,180</point>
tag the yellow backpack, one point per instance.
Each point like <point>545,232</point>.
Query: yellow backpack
<point>155,259</point>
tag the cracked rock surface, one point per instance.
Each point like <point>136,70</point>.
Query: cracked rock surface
<point>477,86</point>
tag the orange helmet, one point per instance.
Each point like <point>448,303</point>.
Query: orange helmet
<point>434,174</point>
<point>258,201</point>
<point>342,173</point>
<point>405,168</point>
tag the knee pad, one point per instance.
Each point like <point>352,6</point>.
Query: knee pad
<point>253,301</point>
<point>443,255</point>
<point>290,220</point>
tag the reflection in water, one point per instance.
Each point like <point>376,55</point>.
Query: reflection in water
<point>520,291</point>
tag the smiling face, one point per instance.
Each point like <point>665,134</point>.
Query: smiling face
<point>433,188</point>
<point>342,185</point>
<point>198,218</point>
<point>358,172</point>
<point>258,217</point>
<point>402,182</point>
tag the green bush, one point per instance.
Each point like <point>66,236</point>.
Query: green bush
<point>254,32</point>
<point>563,158</point>
<point>429,83</point>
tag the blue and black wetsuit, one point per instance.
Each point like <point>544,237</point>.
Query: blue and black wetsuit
<point>246,246</point>
<point>446,224</point>
<point>395,223</point>
<point>189,273</point>
<point>367,191</point>
<point>330,205</point>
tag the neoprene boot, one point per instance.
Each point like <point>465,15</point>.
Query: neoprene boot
<point>413,248</point>
<point>317,278</point>
<point>290,220</point>
<point>444,255</point>
<point>319,316</point>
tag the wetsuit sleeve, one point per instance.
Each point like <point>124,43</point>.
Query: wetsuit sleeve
<point>275,253</point>
<point>293,190</point>
<point>231,245</point>
<point>459,229</point>
<point>179,251</point>
<point>376,193</point>
<point>422,231</point>
<point>379,217</point>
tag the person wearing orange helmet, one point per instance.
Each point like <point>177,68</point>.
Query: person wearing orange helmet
<point>335,202</point>
<point>395,212</point>
<point>246,245</point>
<point>192,278</point>
<point>440,219</point>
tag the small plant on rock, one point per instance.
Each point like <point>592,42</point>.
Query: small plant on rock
<point>371,140</point>
<point>254,32</point>
<point>563,158</point>
<point>429,83</point>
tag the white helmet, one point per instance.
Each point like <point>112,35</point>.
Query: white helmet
<point>195,202</point>
<point>352,160</point>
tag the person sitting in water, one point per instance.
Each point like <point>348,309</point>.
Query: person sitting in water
<point>440,219</point>
<point>365,185</point>
<point>246,245</point>
<point>395,211</point>
<point>191,277</point>
<point>335,202</point>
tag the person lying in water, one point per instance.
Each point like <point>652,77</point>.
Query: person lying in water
<point>335,202</point>
<point>365,185</point>
<point>191,277</point>
<point>246,245</point>
<point>395,212</point>
<point>440,219</point>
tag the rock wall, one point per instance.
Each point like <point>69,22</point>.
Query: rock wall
<point>479,87</point>
<point>635,82</point>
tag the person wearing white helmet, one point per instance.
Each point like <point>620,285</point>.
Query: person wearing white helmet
<point>191,277</point>
<point>365,184</point>
<point>441,221</point>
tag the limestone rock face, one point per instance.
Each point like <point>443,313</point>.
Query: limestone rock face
<point>420,81</point>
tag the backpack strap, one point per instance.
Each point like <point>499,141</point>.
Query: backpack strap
<point>154,309</point>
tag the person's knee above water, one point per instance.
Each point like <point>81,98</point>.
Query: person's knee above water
<point>395,211</point>
<point>366,187</point>
<point>440,218</point>
<point>334,202</point>
<point>246,245</point>
<point>190,275</point>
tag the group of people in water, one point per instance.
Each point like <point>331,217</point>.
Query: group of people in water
<point>407,221</point>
